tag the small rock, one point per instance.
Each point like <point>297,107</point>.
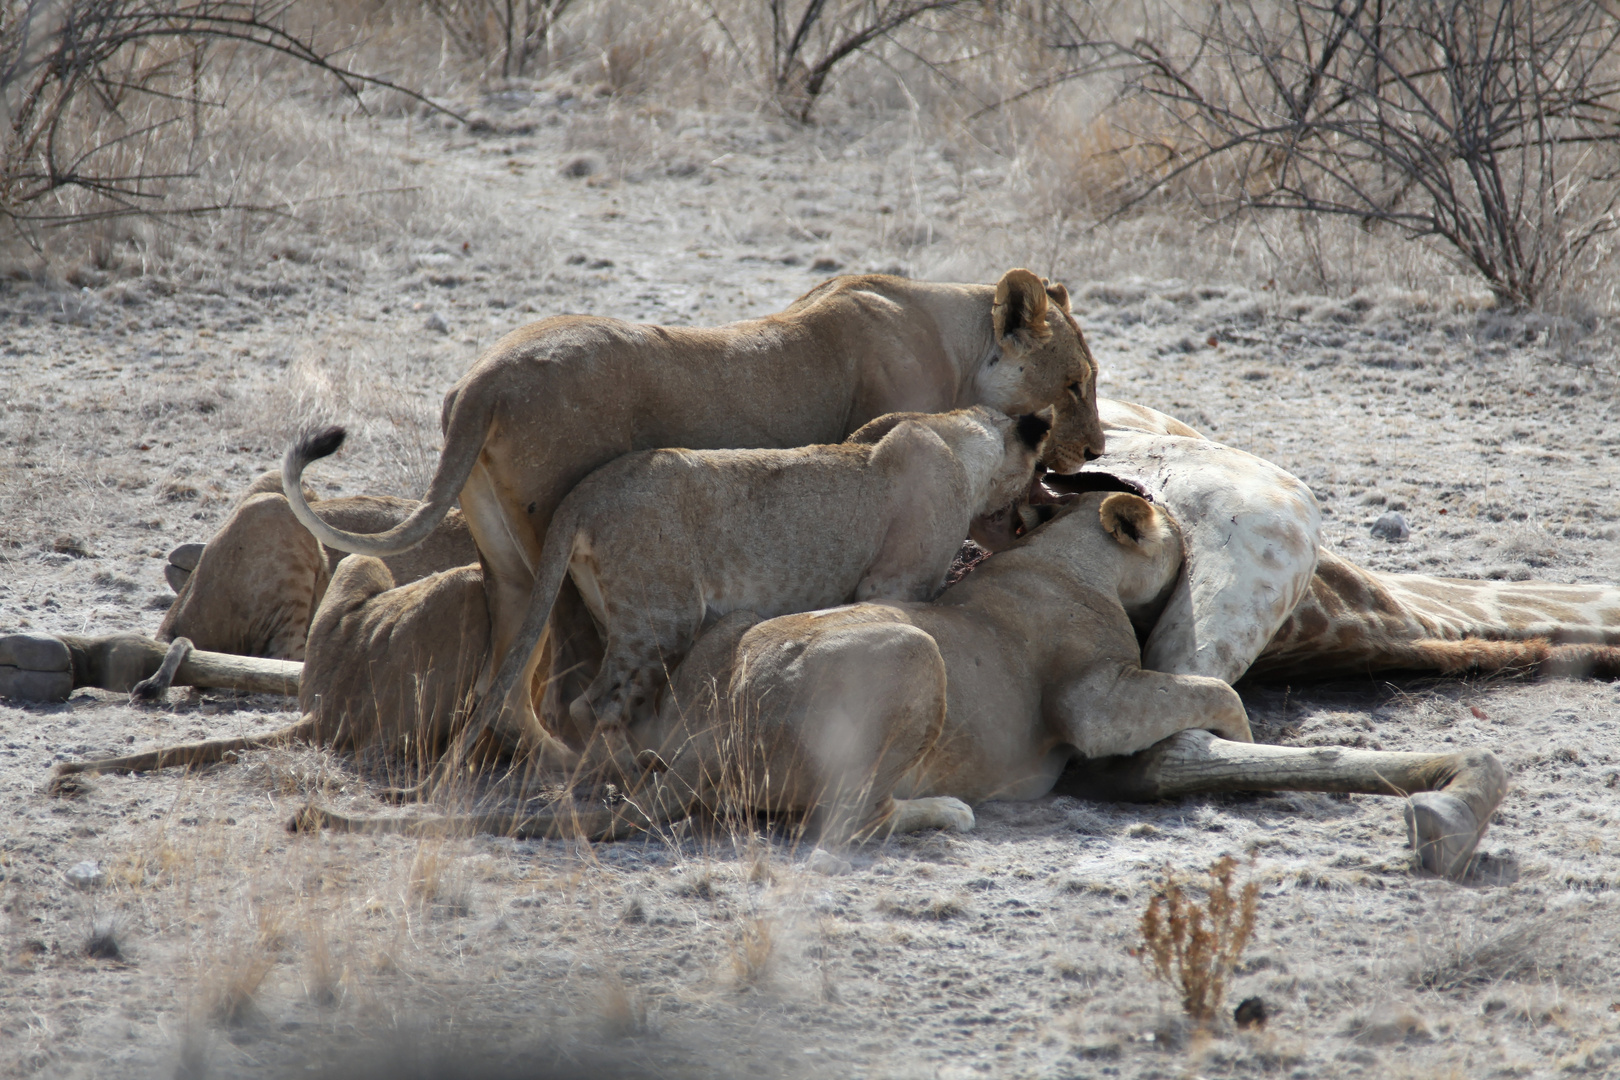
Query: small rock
<point>437,323</point>
<point>1393,1024</point>
<point>71,546</point>
<point>1391,527</point>
<point>1251,1012</point>
<point>826,266</point>
<point>580,168</point>
<point>85,875</point>
<point>825,862</point>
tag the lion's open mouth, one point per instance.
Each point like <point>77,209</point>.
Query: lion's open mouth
<point>1047,494</point>
<point>1078,483</point>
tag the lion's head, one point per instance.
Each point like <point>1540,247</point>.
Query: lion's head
<point>1042,362</point>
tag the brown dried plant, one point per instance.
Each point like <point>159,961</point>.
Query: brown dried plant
<point>1195,949</point>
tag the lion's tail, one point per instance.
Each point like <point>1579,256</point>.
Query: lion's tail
<point>463,442</point>
<point>661,801</point>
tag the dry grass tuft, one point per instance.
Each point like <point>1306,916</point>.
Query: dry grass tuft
<point>232,994</point>
<point>753,951</point>
<point>437,881</point>
<point>623,1010</point>
<point>931,909</point>
<point>700,885</point>
<point>324,976</point>
<point>1533,949</point>
<point>103,941</point>
<point>1193,949</point>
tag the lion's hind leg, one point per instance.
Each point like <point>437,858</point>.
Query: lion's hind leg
<point>830,715</point>
<point>35,667</point>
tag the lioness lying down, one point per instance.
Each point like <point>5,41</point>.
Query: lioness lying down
<point>553,401</point>
<point>877,718</point>
<point>661,542</point>
<point>387,666</point>
<point>253,588</point>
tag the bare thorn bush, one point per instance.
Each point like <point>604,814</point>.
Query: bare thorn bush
<point>1194,949</point>
<point>1488,125</point>
<point>507,35</point>
<point>809,39</point>
<point>109,99</point>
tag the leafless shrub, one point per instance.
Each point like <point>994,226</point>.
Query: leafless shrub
<point>1488,124</point>
<point>1192,949</point>
<point>507,35</point>
<point>92,90</point>
<point>808,40</point>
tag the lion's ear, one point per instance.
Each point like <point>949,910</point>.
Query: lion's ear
<point>1133,521</point>
<point>1032,428</point>
<point>1019,314</point>
<point>1060,296</point>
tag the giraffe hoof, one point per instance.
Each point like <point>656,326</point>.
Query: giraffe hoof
<point>35,667</point>
<point>1443,832</point>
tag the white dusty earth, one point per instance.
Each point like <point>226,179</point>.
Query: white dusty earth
<point>135,408</point>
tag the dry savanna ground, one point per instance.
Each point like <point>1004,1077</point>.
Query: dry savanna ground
<point>140,395</point>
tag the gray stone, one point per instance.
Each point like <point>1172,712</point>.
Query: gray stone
<point>1391,527</point>
<point>437,323</point>
<point>35,652</point>
<point>825,862</point>
<point>19,684</point>
<point>85,875</point>
<point>1392,1024</point>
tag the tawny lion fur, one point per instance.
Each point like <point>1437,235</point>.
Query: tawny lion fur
<point>253,588</point>
<point>388,666</point>
<point>557,399</point>
<point>662,542</point>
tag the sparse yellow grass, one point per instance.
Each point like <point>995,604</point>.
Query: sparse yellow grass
<point>753,951</point>
<point>1193,948</point>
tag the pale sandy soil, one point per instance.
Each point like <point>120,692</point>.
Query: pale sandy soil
<point>134,410</point>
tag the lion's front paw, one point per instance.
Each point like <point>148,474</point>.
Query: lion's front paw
<point>937,812</point>
<point>153,691</point>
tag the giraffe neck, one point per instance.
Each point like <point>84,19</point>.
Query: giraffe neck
<point>1357,621</point>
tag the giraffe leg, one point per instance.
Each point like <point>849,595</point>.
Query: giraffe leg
<point>1450,797</point>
